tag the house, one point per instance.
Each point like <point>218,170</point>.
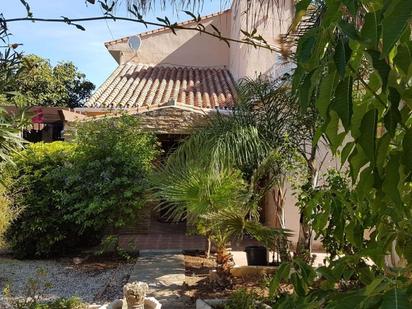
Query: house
<point>174,81</point>
<point>46,123</point>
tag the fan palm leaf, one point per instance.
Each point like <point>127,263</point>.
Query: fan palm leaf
<point>10,138</point>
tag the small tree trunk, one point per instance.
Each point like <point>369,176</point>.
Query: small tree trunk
<point>304,244</point>
<point>278,194</point>
<point>209,247</point>
<point>222,276</point>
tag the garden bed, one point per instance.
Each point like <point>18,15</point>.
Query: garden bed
<point>197,284</point>
<point>92,279</point>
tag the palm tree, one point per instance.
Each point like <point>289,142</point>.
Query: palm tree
<point>218,199</point>
<point>256,139</point>
<point>10,125</point>
<point>10,138</point>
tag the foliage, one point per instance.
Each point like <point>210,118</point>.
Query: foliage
<point>259,138</point>
<point>345,282</point>
<point>10,139</point>
<point>77,191</point>
<point>7,214</point>
<point>355,64</point>
<point>329,208</point>
<point>107,184</point>
<point>42,227</point>
<point>63,303</point>
<point>242,299</point>
<point>38,83</point>
<point>109,245</point>
<point>218,200</point>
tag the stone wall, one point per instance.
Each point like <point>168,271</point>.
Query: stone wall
<point>172,120</point>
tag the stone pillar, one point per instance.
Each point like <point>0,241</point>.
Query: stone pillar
<point>135,294</point>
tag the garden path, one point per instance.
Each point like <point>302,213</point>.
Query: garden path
<point>164,272</point>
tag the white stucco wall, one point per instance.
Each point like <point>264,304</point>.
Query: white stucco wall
<point>247,15</point>
<point>188,48</point>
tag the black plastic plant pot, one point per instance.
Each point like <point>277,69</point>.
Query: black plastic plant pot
<point>256,256</point>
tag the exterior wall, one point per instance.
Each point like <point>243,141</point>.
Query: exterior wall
<point>171,120</point>
<point>188,48</point>
<point>292,214</point>
<point>247,61</point>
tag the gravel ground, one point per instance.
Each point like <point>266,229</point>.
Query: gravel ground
<point>93,282</point>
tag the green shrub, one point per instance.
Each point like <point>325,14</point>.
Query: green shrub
<point>108,181</point>
<point>7,214</point>
<point>70,194</point>
<point>62,303</point>
<point>42,227</point>
<point>242,299</point>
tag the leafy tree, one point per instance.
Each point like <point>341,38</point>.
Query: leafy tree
<point>106,187</point>
<point>355,64</point>
<point>38,83</point>
<point>42,227</point>
<point>70,194</point>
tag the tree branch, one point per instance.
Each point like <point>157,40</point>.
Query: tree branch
<point>199,28</point>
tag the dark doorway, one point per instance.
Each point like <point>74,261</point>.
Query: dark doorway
<point>169,143</point>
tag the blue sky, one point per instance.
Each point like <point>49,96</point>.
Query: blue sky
<point>60,42</point>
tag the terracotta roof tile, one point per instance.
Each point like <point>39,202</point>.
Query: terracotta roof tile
<point>137,85</point>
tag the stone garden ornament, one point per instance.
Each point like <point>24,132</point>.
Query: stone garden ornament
<point>135,294</point>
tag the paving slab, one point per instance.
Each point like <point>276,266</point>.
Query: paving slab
<point>165,275</point>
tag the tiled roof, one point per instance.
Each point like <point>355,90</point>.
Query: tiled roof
<point>137,85</point>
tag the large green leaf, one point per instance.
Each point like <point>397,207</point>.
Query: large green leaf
<point>367,139</point>
<point>346,151</point>
<point>352,6</point>
<point>404,57</point>
<point>357,160</point>
<point>370,29</point>
<point>395,299</point>
<point>391,181</point>
<point>342,104</point>
<point>305,48</point>
<point>332,131</point>
<point>326,88</point>
<point>407,149</point>
<point>394,22</point>
<point>393,116</point>
<point>348,301</point>
<point>305,91</point>
<point>349,29</point>
<point>342,56</point>
<point>381,66</point>
<point>382,151</point>
<point>281,274</point>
